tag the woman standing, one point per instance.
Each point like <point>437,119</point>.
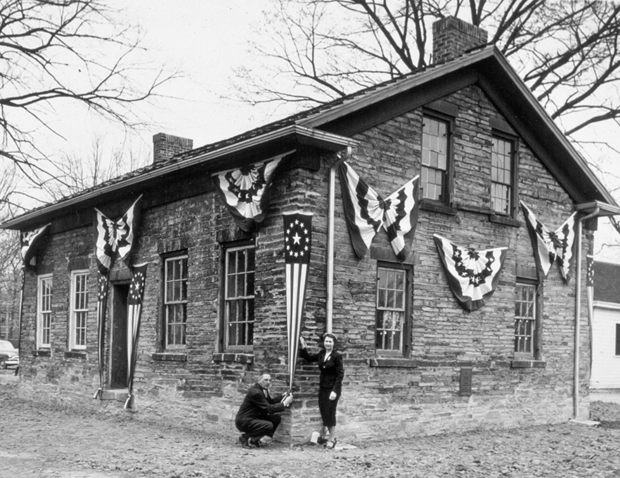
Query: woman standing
<point>330,383</point>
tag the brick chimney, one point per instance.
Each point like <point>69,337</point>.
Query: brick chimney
<point>452,37</point>
<point>165,146</point>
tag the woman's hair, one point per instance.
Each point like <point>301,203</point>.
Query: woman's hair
<point>331,336</point>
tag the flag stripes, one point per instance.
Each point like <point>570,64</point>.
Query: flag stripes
<point>366,212</point>
<point>246,191</point>
<point>551,246</point>
<point>297,249</point>
<point>30,242</point>
<point>472,275</point>
<point>134,311</point>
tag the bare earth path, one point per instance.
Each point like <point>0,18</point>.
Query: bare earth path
<point>46,442</point>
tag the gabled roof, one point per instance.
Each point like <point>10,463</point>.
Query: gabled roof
<point>331,125</point>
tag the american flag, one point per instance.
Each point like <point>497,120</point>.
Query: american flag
<point>366,211</point>
<point>115,236</point>
<point>30,243</point>
<point>246,191</point>
<point>297,248</point>
<point>551,246</point>
<point>134,310</point>
<point>102,302</point>
<point>472,275</point>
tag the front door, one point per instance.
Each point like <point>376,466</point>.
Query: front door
<point>118,342</point>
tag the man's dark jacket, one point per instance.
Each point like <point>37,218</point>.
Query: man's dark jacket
<point>257,405</point>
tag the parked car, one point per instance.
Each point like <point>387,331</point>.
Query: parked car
<point>9,355</point>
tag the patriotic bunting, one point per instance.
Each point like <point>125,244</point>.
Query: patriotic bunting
<point>30,242</point>
<point>551,246</point>
<point>102,301</point>
<point>246,191</point>
<point>111,237</point>
<point>297,247</point>
<point>472,275</point>
<point>366,211</point>
<point>134,310</point>
<point>115,236</point>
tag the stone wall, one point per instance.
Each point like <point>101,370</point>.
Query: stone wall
<point>201,386</point>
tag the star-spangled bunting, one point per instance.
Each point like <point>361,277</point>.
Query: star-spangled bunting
<point>246,191</point>
<point>102,301</point>
<point>30,242</point>
<point>551,246</point>
<point>134,311</point>
<point>115,236</point>
<point>366,211</point>
<point>472,275</point>
<point>297,249</point>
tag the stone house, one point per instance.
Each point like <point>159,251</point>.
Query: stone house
<point>480,143</point>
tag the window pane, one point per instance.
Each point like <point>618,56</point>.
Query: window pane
<point>501,175</point>
<point>390,308</point>
<point>239,300</point>
<point>176,276</point>
<point>525,317</point>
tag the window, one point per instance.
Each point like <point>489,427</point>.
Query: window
<point>435,169</point>
<point>392,311</point>
<point>44,316</point>
<point>239,297</point>
<point>617,339</point>
<point>526,318</point>
<point>175,301</point>
<point>79,310</point>
<point>502,176</point>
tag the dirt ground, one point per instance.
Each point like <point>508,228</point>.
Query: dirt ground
<point>45,442</point>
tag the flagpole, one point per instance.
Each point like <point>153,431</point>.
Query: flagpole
<point>21,307</point>
<point>330,239</point>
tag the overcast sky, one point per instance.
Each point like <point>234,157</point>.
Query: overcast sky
<point>205,40</point>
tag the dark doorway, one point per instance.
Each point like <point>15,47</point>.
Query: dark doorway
<point>118,342</point>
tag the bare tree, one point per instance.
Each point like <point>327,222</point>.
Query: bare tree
<point>55,50</point>
<point>565,51</point>
<point>75,172</point>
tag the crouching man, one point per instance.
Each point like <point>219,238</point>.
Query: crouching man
<point>258,415</point>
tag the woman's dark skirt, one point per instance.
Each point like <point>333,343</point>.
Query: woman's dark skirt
<point>327,407</point>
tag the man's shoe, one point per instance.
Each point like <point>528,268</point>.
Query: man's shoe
<point>255,442</point>
<point>243,439</point>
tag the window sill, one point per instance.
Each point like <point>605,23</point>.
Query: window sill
<point>528,364</point>
<point>505,220</point>
<point>42,353</point>
<point>76,354</point>
<point>437,207</point>
<point>233,357</point>
<point>170,357</point>
<point>387,362</point>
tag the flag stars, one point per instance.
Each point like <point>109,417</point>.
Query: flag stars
<point>296,238</point>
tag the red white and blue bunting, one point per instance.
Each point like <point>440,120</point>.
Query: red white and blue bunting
<point>134,311</point>
<point>551,246</point>
<point>297,249</point>
<point>247,190</point>
<point>30,242</point>
<point>472,275</point>
<point>366,211</point>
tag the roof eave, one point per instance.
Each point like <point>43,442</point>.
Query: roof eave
<point>297,134</point>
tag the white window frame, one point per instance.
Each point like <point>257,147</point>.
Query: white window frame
<point>173,303</point>
<point>521,337</point>
<point>44,310</point>
<point>77,308</point>
<point>246,299</point>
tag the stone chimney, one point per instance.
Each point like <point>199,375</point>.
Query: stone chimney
<point>165,146</point>
<point>453,37</point>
